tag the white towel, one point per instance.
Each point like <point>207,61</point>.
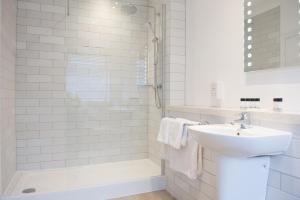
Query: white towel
<point>174,131</point>
<point>184,154</point>
<point>200,160</point>
<point>187,123</point>
<point>163,134</point>
<point>187,160</point>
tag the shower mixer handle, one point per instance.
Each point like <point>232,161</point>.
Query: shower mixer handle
<point>155,39</point>
<point>159,86</point>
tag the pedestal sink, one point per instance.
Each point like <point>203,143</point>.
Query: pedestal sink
<point>243,157</point>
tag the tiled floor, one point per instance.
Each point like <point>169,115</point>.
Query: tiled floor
<point>160,195</point>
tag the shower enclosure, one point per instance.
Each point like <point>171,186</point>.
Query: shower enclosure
<point>88,85</point>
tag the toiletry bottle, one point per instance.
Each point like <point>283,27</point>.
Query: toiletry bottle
<point>278,104</point>
<point>252,103</point>
<point>243,104</point>
<point>247,104</point>
<point>257,103</point>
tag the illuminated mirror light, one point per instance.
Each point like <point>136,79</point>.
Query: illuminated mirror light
<point>115,3</point>
<point>249,29</point>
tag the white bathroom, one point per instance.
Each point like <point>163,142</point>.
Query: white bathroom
<point>150,100</point>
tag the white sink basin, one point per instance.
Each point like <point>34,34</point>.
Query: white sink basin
<point>229,140</point>
<point>243,157</point>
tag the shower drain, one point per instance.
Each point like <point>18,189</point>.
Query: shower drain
<point>29,190</point>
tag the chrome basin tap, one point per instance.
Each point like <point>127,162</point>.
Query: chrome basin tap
<point>244,121</point>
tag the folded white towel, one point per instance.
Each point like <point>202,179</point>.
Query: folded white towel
<point>187,123</point>
<point>163,134</point>
<point>187,160</point>
<point>184,154</point>
<point>174,131</point>
<point>200,160</point>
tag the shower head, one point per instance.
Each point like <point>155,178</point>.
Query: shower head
<point>129,9</point>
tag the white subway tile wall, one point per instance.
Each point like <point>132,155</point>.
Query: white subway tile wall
<point>175,52</point>
<point>77,97</point>
<point>174,67</point>
<point>284,177</point>
<point>155,114</point>
<point>8,10</point>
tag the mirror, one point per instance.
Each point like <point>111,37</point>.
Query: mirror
<point>271,34</point>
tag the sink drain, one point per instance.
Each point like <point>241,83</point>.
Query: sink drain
<point>29,190</point>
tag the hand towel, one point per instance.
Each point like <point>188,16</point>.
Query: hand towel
<point>171,131</point>
<point>200,160</point>
<point>187,160</point>
<point>175,132</point>
<point>163,134</point>
<point>187,123</point>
